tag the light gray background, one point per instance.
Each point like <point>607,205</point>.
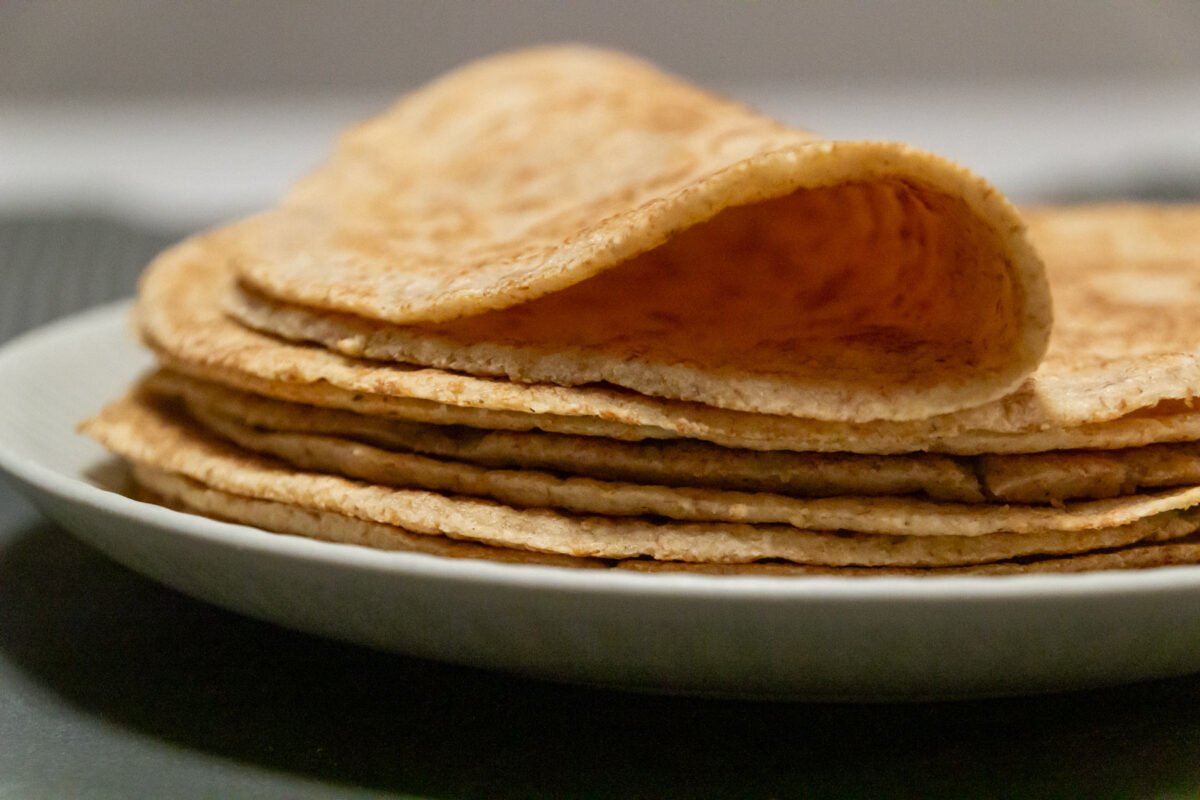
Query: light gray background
<point>177,114</point>
<point>157,46</point>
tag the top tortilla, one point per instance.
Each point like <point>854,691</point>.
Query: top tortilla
<point>1121,372</point>
<point>572,216</point>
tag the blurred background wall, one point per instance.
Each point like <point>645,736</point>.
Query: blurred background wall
<point>182,112</point>
<point>62,47</point>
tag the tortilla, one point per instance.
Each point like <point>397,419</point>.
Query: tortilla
<point>1052,477</point>
<point>560,307</point>
<point>183,494</point>
<point>534,489</point>
<point>1169,553</point>
<point>676,462</point>
<point>1111,379</point>
<point>150,434</point>
<point>1035,478</point>
<point>571,216</point>
<point>186,495</point>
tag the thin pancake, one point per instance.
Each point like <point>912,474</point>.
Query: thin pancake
<point>534,489</point>
<point>674,462</point>
<point>187,495</point>
<point>150,435</point>
<point>1143,555</point>
<point>569,215</point>
<point>183,494</point>
<point>1115,389</point>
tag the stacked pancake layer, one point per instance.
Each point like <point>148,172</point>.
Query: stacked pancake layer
<point>560,308</point>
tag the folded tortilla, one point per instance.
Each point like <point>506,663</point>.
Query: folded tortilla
<point>573,216</point>
<point>1121,372</point>
<point>585,311</point>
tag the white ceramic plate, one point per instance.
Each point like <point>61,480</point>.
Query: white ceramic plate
<point>814,638</point>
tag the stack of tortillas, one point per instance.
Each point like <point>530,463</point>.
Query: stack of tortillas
<point>559,307</point>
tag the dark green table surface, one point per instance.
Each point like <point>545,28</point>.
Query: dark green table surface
<point>112,686</point>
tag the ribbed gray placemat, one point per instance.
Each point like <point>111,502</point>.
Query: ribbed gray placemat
<point>55,265</point>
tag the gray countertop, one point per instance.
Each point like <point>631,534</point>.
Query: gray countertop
<point>112,686</point>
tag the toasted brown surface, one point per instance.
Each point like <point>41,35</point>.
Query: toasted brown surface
<point>534,489</point>
<point>184,494</point>
<point>1028,478</point>
<point>1110,379</point>
<point>570,215</point>
<point>526,488</point>
<point>557,303</point>
<point>1049,477</point>
<point>151,435</point>
<point>1167,553</point>
<point>187,495</point>
<point>672,462</point>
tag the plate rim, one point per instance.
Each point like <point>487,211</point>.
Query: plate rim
<point>31,473</point>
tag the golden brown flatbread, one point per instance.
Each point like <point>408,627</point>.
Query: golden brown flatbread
<point>1048,477</point>
<point>670,462</point>
<point>570,216</point>
<point>183,494</point>
<point>1142,555</point>
<point>1111,379</point>
<point>148,433</point>
<point>190,496</point>
<point>558,307</point>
